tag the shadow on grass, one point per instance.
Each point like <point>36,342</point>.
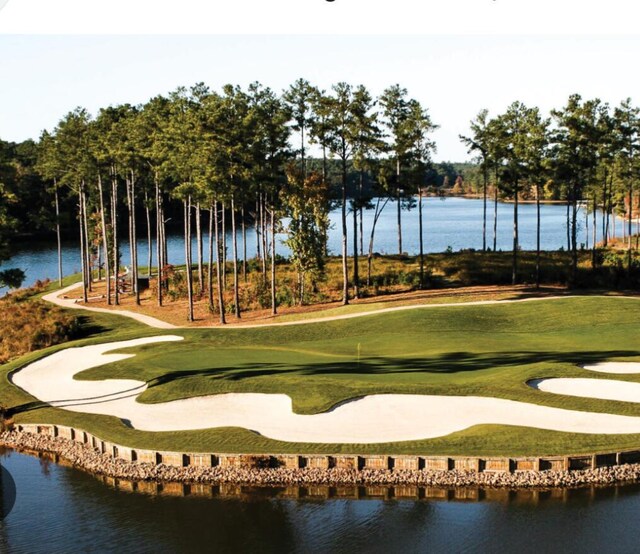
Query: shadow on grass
<point>448,363</point>
<point>452,362</point>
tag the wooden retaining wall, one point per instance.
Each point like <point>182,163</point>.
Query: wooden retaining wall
<point>341,461</point>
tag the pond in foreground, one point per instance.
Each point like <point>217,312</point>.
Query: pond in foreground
<point>59,509</point>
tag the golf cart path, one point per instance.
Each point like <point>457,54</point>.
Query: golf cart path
<point>55,298</point>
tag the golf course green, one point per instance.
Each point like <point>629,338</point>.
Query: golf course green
<point>488,350</point>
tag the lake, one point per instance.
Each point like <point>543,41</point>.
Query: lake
<point>60,509</point>
<point>454,223</point>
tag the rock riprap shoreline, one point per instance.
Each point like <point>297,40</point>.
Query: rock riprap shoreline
<point>87,458</point>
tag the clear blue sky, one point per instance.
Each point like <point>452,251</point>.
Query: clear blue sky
<point>44,77</point>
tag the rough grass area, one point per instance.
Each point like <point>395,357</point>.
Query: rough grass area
<point>27,325</point>
<point>458,350</point>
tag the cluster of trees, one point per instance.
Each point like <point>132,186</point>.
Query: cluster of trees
<point>230,157</point>
<point>219,160</point>
<point>584,153</point>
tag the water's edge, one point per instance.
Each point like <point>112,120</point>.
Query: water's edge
<point>85,453</point>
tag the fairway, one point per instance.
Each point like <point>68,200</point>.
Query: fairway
<point>488,351</point>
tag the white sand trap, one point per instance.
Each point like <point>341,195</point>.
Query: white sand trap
<point>620,368</point>
<point>604,389</point>
<point>377,418</point>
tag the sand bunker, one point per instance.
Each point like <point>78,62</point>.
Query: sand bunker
<point>604,389</point>
<point>615,367</point>
<point>377,418</point>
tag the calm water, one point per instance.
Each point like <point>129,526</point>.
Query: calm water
<point>61,510</point>
<point>449,222</point>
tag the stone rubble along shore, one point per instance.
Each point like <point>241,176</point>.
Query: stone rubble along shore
<point>87,458</point>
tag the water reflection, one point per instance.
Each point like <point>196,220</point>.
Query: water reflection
<point>59,509</point>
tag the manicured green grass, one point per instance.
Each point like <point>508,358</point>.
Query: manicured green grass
<point>460,350</point>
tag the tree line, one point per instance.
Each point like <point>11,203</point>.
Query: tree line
<point>584,153</point>
<point>230,157</point>
<point>239,157</point>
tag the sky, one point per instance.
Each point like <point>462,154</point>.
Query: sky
<point>454,77</point>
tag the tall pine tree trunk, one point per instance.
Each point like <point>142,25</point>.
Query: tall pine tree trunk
<point>244,246</point>
<point>574,234</point>
<point>537,235</point>
<point>147,210</point>
<point>187,256</point>
<point>264,234</point>
<point>210,266</point>
<point>399,200</point>
<point>595,232</point>
<point>83,257</point>
<point>236,292</point>
<point>58,236</point>
<point>223,246</point>
<point>345,266</point>
<point>514,268</point>
<point>114,227</point>
<point>258,227</point>
<point>484,210</point>
<point>421,238</point>
<point>199,249</point>
<point>376,216</point>
<point>356,277</point>
<point>274,301</point>
<point>495,213</point>
<point>105,241</point>
<point>216,225</point>
<point>630,230</point>
<point>159,250</point>
<point>85,230</point>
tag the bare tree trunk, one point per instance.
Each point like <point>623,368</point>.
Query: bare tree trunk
<point>376,216</point>
<point>199,250</point>
<point>258,227</point>
<point>236,292</point>
<point>495,214</point>
<point>263,225</point>
<point>274,302</point>
<point>244,246</point>
<point>210,266</point>
<point>85,228</point>
<point>630,211</point>
<point>58,236</point>
<point>132,236</point>
<point>218,264</point>
<point>514,272</point>
<point>484,210</point>
<point>586,223</point>
<point>421,238</point>
<point>105,241</point>
<point>159,249</point>
<point>187,255</point>
<point>605,212</point>
<point>149,238</point>
<point>356,277</point>
<point>568,224</point>
<point>360,210</point>
<point>223,245</point>
<point>345,266</point>
<point>83,257</point>
<point>595,230</point>
<point>537,235</point>
<point>399,199</point>
<point>114,226</point>
<point>574,234</point>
